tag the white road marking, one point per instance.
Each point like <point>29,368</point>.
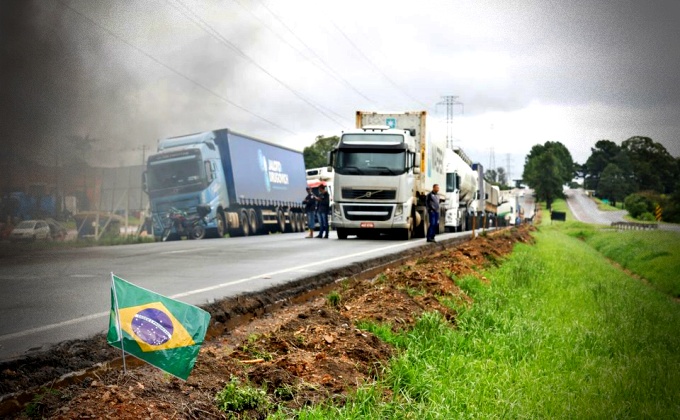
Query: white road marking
<point>184,250</point>
<point>303,267</point>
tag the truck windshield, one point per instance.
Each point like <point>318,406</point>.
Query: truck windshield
<point>370,162</point>
<point>184,172</point>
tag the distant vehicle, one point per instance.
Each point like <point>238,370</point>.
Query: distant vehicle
<point>57,230</point>
<point>31,230</point>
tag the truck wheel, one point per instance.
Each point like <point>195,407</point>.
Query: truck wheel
<point>299,223</point>
<point>243,222</point>
<point>220,225</point>
<point>404,234</point>
<point>254,222</point>
<point>342,233</point>
<point>281,219</point>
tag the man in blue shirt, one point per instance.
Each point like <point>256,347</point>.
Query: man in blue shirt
<point>310,209</point>
<point>322,210</point>
<point>432,205</point>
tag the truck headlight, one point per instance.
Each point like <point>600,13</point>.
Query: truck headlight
<point>399,210</point>
<point>336,210</point>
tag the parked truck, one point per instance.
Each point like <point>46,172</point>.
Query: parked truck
<point>461,190</point>
<point>383,170</point>
<point>251,186</point>
<point>471,200</point>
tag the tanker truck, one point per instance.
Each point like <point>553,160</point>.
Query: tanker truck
<point>468,195</point>
<point>382,171</point>
<point>251,186</point>
<point>461,190</point>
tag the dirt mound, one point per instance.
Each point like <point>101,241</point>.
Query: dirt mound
<point>300,354</point>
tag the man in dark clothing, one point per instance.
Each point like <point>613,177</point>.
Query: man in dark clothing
<point>432,205</point>
<point>310,209</point>
<point>322,210</point>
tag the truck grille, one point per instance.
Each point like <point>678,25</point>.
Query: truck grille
<point>368,213</point>
<point>364,194</point>
<point>188,205</point>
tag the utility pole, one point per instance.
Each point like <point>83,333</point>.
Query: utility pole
<point>141,189</point>
<point>508,168</point>
<point>450,101</point>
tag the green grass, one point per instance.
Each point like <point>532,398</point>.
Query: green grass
<point>653,255</point>
<point>558,333</point>
<point>608,207</point>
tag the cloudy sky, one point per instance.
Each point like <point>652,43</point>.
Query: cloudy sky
<point>524,71</point>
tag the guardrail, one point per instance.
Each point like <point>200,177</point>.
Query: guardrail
<point>634,226</point>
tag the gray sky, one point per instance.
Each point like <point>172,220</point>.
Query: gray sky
<point>127,73</point>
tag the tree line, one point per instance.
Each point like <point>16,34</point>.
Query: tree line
<point>640,172</point>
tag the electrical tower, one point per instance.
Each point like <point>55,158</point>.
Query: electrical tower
<point>492,158</point>
<point>450,101</point>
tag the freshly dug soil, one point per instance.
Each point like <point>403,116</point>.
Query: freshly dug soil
<point>301,353</point>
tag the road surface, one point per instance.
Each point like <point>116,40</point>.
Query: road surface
<point>585,209</point>
<point>52,296</point>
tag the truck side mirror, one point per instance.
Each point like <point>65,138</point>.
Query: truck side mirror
<point>417,162</point>
<point>145,187</point>
<point>331,158</point>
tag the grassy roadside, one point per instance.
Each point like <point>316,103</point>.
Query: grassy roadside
<point>653,255</point>
<point>558,332</point>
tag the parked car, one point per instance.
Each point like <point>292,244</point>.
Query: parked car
<point>57,230</point>
<point>31,230</point>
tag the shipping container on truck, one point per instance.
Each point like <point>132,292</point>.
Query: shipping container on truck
<point>383,170</point>
<point>251,186</point>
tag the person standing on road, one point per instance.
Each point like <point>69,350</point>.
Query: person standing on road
<point>432,205</point>
<point>310,209</point>
<point>322,210</point>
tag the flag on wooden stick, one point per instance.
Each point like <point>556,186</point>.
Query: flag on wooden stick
<point>163,332</point>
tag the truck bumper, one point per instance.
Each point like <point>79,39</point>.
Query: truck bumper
<point>357,217</point>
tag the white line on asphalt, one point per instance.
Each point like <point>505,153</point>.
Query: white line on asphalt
<point>197,291</point>
<point>184,250</point>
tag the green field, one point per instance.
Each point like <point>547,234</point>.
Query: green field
<point>560,332</point>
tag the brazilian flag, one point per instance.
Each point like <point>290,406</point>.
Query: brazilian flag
<point>163,332</point>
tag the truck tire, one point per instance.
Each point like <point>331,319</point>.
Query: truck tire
<point>299,222</point>
<point>244,223</point>
<point>342,233</point>
<point>221,225</point>
<point>254,222</point>
<point>281,221</point>
<point>405,234</point>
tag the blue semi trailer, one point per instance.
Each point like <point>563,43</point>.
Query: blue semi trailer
<point>252,187</point>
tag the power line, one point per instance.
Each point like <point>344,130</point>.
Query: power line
<point>173,70</point>
<point>331,72</point>
<point>369,61</point>
<point>215,34</point>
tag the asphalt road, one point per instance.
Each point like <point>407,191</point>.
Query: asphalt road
<point>52,296</point>
<point>585,209</point>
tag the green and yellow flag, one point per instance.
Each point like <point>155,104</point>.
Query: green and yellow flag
<point>161,331</point>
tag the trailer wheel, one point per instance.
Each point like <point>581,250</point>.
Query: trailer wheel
<point>243,222</point>
<point>254,222</point>
<point>299,222</point>
<point>281,219</point>
<point>342,233</point>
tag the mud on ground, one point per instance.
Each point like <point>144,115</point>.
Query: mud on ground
<point>301,353</point>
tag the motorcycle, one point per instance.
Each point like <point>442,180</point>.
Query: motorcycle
<point>178,224</point>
